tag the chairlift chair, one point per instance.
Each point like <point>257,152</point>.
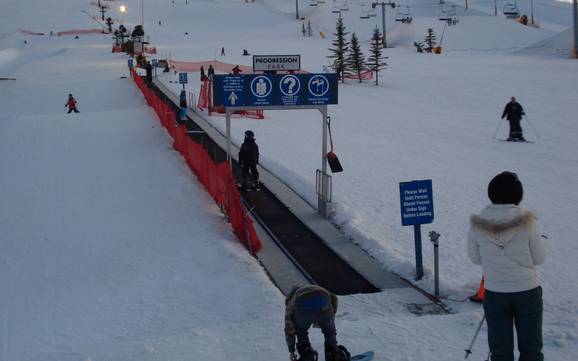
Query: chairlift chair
<point>312,2</point>
<point>372,12</point>
<point>344,6</point>
<point>403,14</point>
<point>447,14</point>
<point>511,10</point>
<point>321,1</point>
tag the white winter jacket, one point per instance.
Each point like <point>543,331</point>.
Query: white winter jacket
<point>505,240</point>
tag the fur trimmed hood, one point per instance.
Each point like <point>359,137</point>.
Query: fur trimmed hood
<point>493,226</point>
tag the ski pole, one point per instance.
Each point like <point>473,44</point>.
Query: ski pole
<point>498,129</point>
<point>531,125</point>
<point>469,350</point>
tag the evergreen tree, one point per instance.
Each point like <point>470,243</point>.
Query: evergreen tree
<point>340,48</point>
<point>430,40</point>
<point>355,58</point>
<point>375,61</point>
<point>309,30</point>
<point>303,29</point>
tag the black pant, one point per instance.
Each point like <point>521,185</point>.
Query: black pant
<point>515,128</point>
<point>522,310</point>
<point>70,110</point>
<point>250,168</point>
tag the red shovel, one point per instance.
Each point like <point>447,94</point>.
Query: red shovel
<point>332,159</point>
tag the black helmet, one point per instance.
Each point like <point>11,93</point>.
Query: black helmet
<point>249,134</point>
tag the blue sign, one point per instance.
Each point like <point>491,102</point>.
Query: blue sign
<point>130,63</point>
<point>274,89</point>
<point>416,200</point>
<point>183,79</point>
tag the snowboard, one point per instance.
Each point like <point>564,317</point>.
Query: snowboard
<point>250,187</point>
<point>366,356</point>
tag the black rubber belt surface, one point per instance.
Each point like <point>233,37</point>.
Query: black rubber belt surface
<point>321,262</point>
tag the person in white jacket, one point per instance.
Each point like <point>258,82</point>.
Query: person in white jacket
<point>504,239</point>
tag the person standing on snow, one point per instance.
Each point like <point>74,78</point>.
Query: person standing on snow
<point>71,104</point>
<point>306,306</point>
<point>211,72</point>
<point>513,112</point>
<point>505,240</point>
<point>149,75</point>
<point>249,158</point>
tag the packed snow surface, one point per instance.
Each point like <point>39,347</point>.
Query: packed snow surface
<point>111,250</point>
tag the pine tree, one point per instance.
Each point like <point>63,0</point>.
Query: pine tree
<point>303,31</point>
<point>430,40</point>
<point>340,48</point>
<point>375,61</point>
<point>309,30</point>
<point>355,58</point>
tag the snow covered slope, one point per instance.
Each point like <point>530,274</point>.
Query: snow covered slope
<point>110,251</point>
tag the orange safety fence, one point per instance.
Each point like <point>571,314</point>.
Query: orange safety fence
<point>206,101</point>
<point>80,31</point>
<point>217,178</point>
<point>364,75</point>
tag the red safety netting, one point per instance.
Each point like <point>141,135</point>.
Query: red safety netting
<point>365,75</point>
<point>195,66</point>
<point>79,31</point>
<point>217,178</point>
<point>206,101</point>
<point>150,49</point>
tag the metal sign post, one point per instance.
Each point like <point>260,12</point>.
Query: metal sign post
<point>416,200</point>
<point>323,198</point>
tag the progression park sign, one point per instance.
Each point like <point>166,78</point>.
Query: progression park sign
<point>262,90</point>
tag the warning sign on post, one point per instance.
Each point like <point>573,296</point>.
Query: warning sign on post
<point>276,62</point>
<point>416,200</point>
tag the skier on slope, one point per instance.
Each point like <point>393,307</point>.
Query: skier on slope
<point>513,112</point>
<point>249,158</point>
<point>306,306</point>
<point>236,70</point>
<point>71,104</point>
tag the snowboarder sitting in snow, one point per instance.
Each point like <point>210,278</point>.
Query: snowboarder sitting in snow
<point>306,306</point>
<point>71,104</point>
<point>249,158</point>
<point>513,112</point>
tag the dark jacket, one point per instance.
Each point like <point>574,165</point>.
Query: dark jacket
<point>513,111</point>
<point>149,70</point>
<point>183,99</point>
<point>249,153</point>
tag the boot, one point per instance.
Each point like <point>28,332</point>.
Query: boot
<point>306,352</point>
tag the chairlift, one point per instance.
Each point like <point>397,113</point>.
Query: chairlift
<point>364,14</point>
<point>313,2</point>
<point>344,6</point>
<point>511,10</point>
<point>447,14</point>
<point>403,14</point>
<point>321,1</point>
<point>372,12</point>
<point>336,9</point>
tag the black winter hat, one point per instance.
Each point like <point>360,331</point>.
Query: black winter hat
<point>250,134</point>
<point>506,188</point>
